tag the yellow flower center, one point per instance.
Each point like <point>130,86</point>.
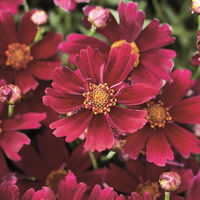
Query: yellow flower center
<point>151,187</point>
<point>54,178</point>
<point>18,56</point>
<point>134,47</point>
<point>99,98</point>
<point>158,114</point>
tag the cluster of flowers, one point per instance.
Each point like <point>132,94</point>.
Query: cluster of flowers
<point>122,96</point>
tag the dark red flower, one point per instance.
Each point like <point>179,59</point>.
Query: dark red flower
<point>163,130</point>
<point>11,139</point>
<point>93,93</point>
<point>53,164</point>
<point>21,59</point>
<point>193,191</point>
<point>10,5</point>
<point>152,63</point>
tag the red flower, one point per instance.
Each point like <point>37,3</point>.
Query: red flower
<point>69,5</point>
<point>53,164</point>
<point>193,191</point>
<point>23,60</point>
<point>10,5</point>
<point>152,63</point>
<point>11,139</point>
<point>163,115</point>
<point>92,94</point>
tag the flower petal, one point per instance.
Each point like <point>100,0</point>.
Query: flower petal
<point>120,63</point>
<point>62,102</point>
<point>25,81</point>
<point>182,140</point>
<point>43,69</point>
<point>99,135</point>
<point>187,111</point>
<point>75,42</point>
<point>131,20</point>
<point>27,29</point>
<point>135,119</point>
<point>173,92</point>
<point>154,36</point>
<point>72,127</point>
<point>9,191</point>
<point>23,122</point>
<point>158,149</point>
<point>136,94</point>
<point>90,64</point>
<point>12,142</point>
<point>46,47</point>
<point>136,142</point>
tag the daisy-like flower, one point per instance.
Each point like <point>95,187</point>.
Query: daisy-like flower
<point>11,139</point>
<point>69,5</point>
<point>10,5</point>
<point>162,130</point>
<point>143,179</point>
<point>152,63</point>
<point>53,166</point>
<point>22,60</point>
<point>94,94</point>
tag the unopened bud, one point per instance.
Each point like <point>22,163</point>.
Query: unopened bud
<point>119,144</point>
<point>39,17</point>
<point>170,181</point>
<point>10,93</point>
<point>99,17</point>
<point>195,6</point>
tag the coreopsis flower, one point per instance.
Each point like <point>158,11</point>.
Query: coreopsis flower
<point>152,63</point>
<point>193,191</point>
<point>22,60</point>
<point>93,94</point>
<point>195,6</point>
<point>163,130</point>
<point>52,166</point>
<point>69,5</point>
<point>142,178</point>
<point>135,176</point>
<point>11,139</point>
<point>10,5</point>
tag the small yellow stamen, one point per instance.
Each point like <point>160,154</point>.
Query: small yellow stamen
<point>158,114</point>
<point>134,47</point>
<point>18,56</point>
<point>99,98</point>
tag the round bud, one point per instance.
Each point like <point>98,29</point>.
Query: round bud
<point>170,181</point>
<point>39,17</point>
<point>99,17</point>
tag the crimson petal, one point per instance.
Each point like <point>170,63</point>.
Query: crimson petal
<point>135,119</point>
<point>99,136</point>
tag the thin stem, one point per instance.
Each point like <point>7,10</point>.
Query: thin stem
<point>167,195</point>
<point>198,22</point>
<point>39,34</point>
<point>26,7</point>
<point>92,31</point>
<point>93,159</point>
<point>10,110</point>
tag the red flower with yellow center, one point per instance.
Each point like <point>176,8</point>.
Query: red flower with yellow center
<point>162,130</point>
<point>94,93</point>
<point>152,63</point>
<point>23,60</point>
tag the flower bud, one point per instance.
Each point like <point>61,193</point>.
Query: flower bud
<point>195,6</point>
<point>170,181</point>
<point>10,93</point>
<point>99,17</point>
<point>39,17</point>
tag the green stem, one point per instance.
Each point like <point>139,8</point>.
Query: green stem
<point>198,22</point>
<point>39,34</point>
<point>158,10</point>
<point>197,74</point>
<point>26,7</point>
<point>167,196</point>
<point>10,110</point>
<point>92,31</point>
<point>93,159</point>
